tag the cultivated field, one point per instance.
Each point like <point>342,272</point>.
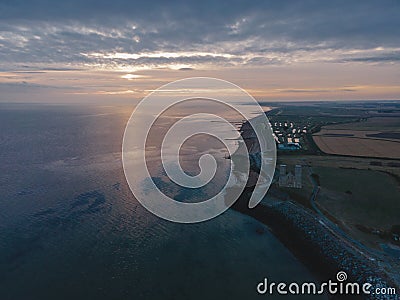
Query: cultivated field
<point>376,137</point>
<point>358,147</point>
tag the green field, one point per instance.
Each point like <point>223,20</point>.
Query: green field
<point>374,123</point>
<point>366,197</point>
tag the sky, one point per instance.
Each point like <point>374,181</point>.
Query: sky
<point>97,50</point>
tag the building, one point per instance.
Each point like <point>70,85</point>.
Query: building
<point>289,179</point>
<point>289,146</point>
<point>282,177</point>
<point>297,175</point>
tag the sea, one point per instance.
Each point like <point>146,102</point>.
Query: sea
<point>70,227</point>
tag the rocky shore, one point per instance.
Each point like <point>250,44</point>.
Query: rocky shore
<point>310,239</point>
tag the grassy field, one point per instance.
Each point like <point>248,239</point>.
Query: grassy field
<point>364,134</point>
<point>362,197</point>
<point>360,184</point>
<point>375,123</point>
<point>376,164</point>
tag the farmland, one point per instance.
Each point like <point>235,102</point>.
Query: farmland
<point>353,150</point>
<point>375,137</point>
<point>367,147</point>
<point>359,196</point>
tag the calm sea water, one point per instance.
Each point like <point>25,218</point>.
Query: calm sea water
<point>71,229</point>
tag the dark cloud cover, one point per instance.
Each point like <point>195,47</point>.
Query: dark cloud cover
<point>252,32</point>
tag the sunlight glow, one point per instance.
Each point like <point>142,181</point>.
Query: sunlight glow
<point>132,76</point>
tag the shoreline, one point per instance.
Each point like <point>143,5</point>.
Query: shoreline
<point>308,238</point>
<point>319,251</point>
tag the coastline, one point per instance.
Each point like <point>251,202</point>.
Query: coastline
<point>307,236</point>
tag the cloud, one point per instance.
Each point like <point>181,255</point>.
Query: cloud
<point>66,35</point>
<point>318,91</point>
<point>21,85</point>
<point>29,72</point>
<point>119,92</point>
<point>391,56</point>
